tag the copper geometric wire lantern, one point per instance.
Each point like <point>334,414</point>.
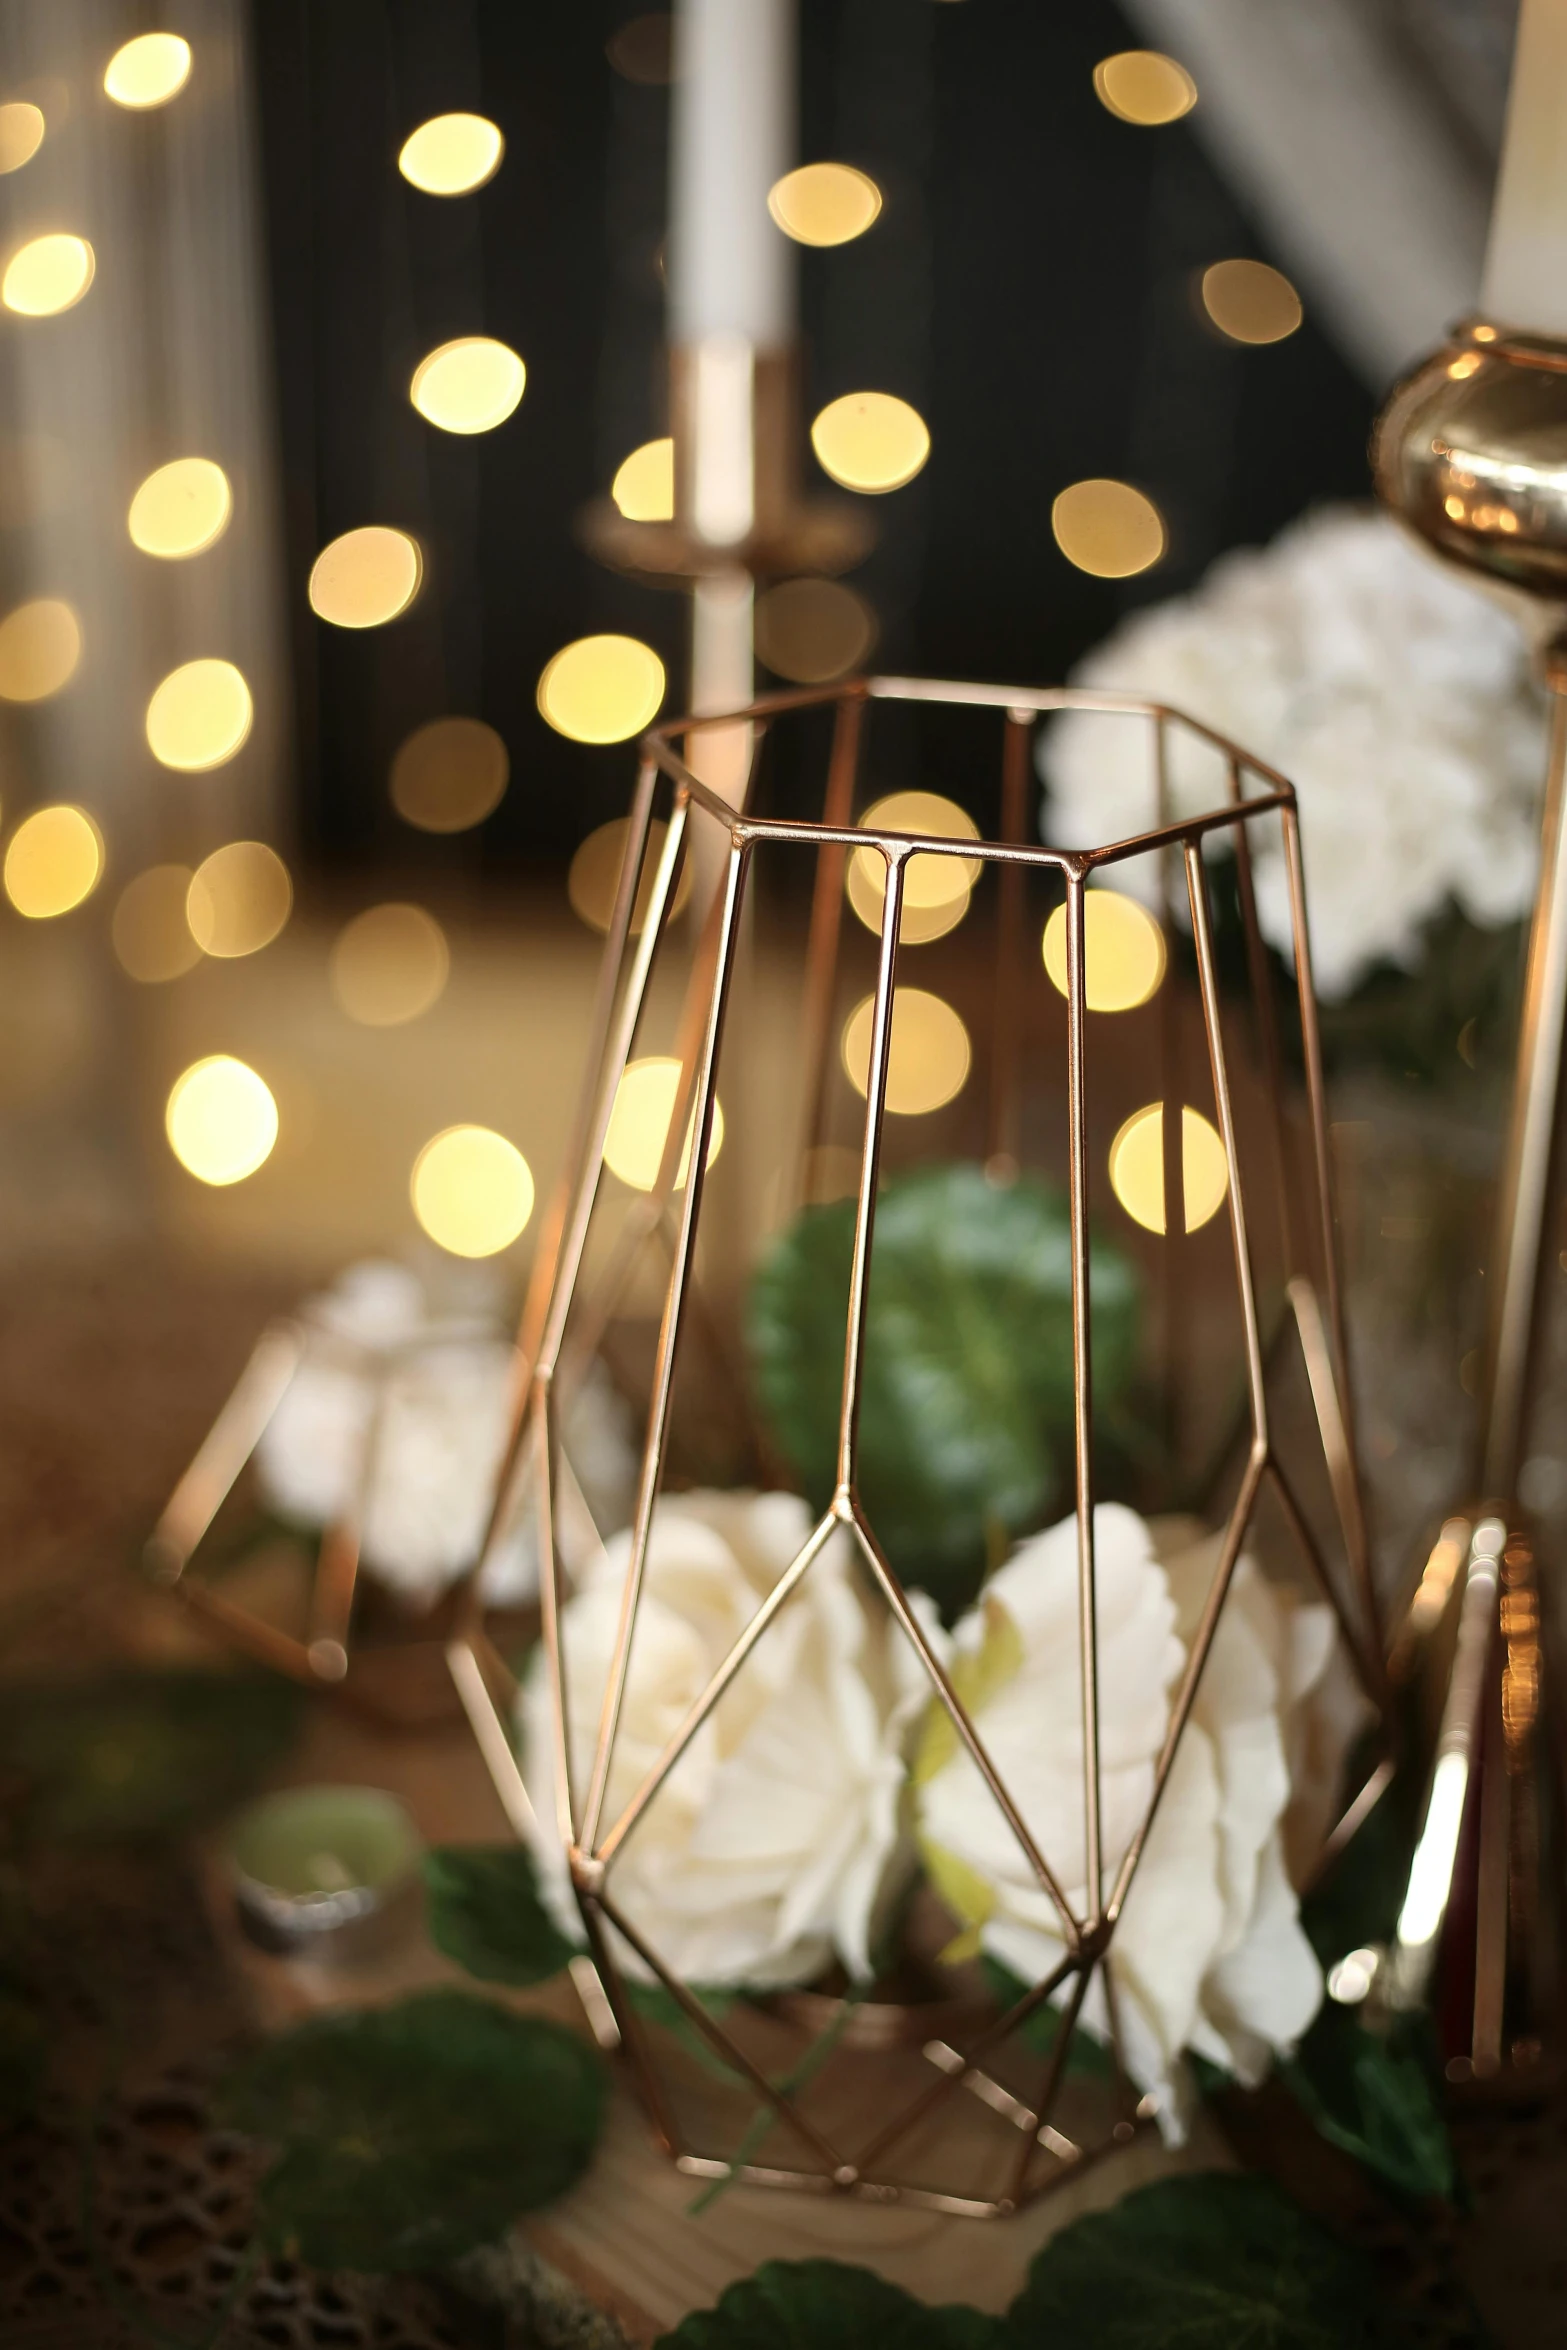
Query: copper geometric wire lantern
<point>320,1639</point>
<point>950,2101</point>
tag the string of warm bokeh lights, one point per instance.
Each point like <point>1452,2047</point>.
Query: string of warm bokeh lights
<point>471,1189</point>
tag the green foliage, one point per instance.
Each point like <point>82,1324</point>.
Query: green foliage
<point>484,1910</point>
<point>1355,1905</point>
<point>1408,1022</point>
<point>23,2060</point>
<point>1375,2094</point>
<point>408,2135</point>
<point>127,1756</point>
<point>1212,2262</point>
<point>967,1401</point>
<point>825,2305</point>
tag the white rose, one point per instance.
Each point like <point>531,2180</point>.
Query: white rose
<point>1394,695</point>
<point>771,1846</point>
<point>1209,1953</point>
<point>400,1410</point>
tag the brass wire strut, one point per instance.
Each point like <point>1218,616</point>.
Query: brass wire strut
<point>567,1283</point>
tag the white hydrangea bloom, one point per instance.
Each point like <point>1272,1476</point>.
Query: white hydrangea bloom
<point>1395,697</point>
<point>430,1385</point>
<point>770,1847</point>
<point>1209,1953</point>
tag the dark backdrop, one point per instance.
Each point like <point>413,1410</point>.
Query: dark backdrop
<point>1030,286</point>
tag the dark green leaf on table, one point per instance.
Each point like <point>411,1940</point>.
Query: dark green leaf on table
<point>1376,2095</point>
<point>1212,2262</point>
<point>23,2059</point>
<point>967,1402</point>
<point>825,2305</point>
<point>1356,1902</point>
<point>408,2135</point>
<point>485,1912</point>
<point>133,1755</point>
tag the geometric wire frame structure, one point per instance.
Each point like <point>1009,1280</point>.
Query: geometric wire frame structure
<point>401,1680</point>
<point>895,2130</point>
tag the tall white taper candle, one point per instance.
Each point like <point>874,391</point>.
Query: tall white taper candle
<point>1525,283</point>
<point>731,269</point>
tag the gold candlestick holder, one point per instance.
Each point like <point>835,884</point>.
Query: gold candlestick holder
<point>1471,453</point>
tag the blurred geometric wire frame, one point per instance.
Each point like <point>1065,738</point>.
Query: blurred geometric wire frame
<point>896,2131</point>
<point>401,1679</point>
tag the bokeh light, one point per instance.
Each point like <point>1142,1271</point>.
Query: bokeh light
<point>870,441</point>
<point>182,509</point>
<point>221,1120</point>
<point>21,134</point>
<point>1137,1167</point>
<point>200,716</point>
<point>472,1191</point>
<point>935,889</point>
<point>1144,86</point>
<point>639,1124</point>
<point>470,385</point>
<point>40,647</point>
<point>150,931</point>
<point>824,203</point>
<point>602,689</point>
<point>449,774</point>
<point>239,899</point>
<point>644,483</point>
<point>47,276</point>
<point>1107,528</point>
<point>1123,951</point>
<point>53,862</point>
<point>595,875</point>
<point>366,577</point>
<point>1249,302</point>
<point>813,630</point>
<point>929,1060</point>
<point>148,71</point>
<point>452,154</point>
<point>389,964</point>
<point>643,49</point>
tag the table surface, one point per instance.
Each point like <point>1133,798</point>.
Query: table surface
<point>108,1374</point>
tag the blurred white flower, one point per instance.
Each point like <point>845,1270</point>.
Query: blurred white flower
<point>1394,696</point>
<point>400,1408</point>
<point>1209,1953</point>
<point>772,1844</point>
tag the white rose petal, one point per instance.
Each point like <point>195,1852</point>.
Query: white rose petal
<point>770,1847</point>
<point>1395,697</point>
<point>400,1412</point>
<point>1208,1953</point>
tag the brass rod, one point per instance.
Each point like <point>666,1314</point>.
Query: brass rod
<point>821,957</point>
<point>1083,1389</point>
<point>727,908</point>
<point>1523,1196</point>
<point>1005,1140</point>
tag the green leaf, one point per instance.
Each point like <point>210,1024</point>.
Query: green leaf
<point>826,2305</point>
<point>484,1910</point>
<point>1212,2262</point>
<point>967,1403</point>
<point>132,1755</point>
<point>1357,1900</point>
<point>24,2053</point>
<point>407,2135</point>
<point>1375,2095</point>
